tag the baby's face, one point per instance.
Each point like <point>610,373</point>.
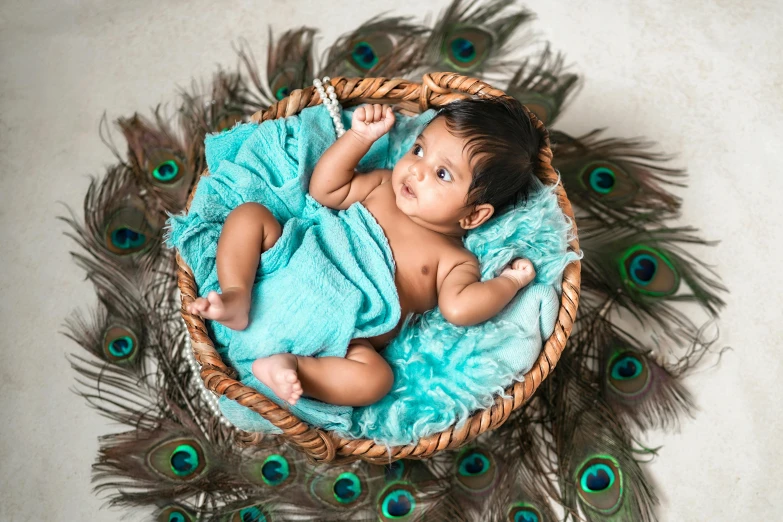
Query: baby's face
<point>431,180</point>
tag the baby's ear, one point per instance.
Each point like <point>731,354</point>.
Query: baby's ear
<point>479,216</point>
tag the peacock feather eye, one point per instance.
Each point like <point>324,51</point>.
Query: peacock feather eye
<point>179,460</point>
<point>367,52</point>
<point>282,92</point>
<point>275,470</point>
<point>283,83</point>
<point>524,512</point>
<point>339,490</point>
<point>541,106</point>
<point>397,501</point>
<point>394,471</point>
<point>347,488</point>
<point>465,49</point>
<point>648,271</point>
<point>166,172</point>
<point>255,513</point>
<point>628,373</point>
<point>600,485</point>
<point>174,514</point>
<point>608,182</point>
<point>120,344</point>
<point>363,56</point>
<point>476,470</point>
<point>127,232</point>
<point>164,167</point>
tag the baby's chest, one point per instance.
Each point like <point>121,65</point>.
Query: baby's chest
<point>416,262</point>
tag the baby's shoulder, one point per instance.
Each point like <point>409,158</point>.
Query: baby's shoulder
<point>453,255</point>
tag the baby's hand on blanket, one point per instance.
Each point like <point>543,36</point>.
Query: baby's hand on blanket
<point>520,271</point>
<point>370,122</point>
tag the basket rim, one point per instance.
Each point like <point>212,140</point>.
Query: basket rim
<point>436,89</point>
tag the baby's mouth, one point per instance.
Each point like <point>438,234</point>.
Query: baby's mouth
<point>407,191</point>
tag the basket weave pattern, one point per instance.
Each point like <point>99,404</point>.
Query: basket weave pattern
<point>436,89</point>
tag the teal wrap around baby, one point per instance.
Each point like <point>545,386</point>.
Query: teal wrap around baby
<point>330,278</point>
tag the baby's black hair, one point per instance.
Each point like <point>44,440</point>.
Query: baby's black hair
<point>502,147</point>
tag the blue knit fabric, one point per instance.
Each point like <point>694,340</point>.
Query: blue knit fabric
<point>442,372</point>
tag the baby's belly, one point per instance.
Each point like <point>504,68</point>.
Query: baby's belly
<point>417,295</point>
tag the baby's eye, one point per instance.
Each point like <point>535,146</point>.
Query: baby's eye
<point>417,151</point>
<point>444,174</point>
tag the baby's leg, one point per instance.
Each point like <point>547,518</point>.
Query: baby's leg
<point>249,230</point>
<point>360,378</point>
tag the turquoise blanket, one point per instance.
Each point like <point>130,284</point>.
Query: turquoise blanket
<point>442,372</point>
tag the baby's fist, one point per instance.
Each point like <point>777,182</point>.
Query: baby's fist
<point>370,122</point>
<point>520,271</point>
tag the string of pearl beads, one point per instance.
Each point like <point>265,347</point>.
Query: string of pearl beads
<point>329,99</point>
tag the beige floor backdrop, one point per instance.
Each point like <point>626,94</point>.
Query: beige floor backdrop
<point>703,79</point>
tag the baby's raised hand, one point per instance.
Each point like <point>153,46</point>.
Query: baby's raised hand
<point>520,270</point>
<point>370,122</point>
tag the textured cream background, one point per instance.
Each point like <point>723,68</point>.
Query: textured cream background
<point>703,79</point>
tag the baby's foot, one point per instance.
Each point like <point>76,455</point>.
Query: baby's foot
<point>231,308</point>
<point>279,373</point>
<point>520,271</point>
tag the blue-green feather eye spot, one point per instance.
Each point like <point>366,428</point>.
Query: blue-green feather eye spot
<point>127,239</point>
<point>127,231</point>
<point>523,512</point>
<point>466,48</point>
<point>602,180</point>
<point>275,470</point>
<point>121,347</point>
<point>597,478</point>
<point>178,459</point>
<point>394,471</point>
<point>282,92</point>
<point>166,171</point>
<point>648,271</point>
<point>473,464</point>
<point>463,49</point>
<point>476,469</point>
<point>606,181</point>
<point>347,488</point>
<point>340,490</point>
<point>599,484</point>
<point>364,55</point>
<point>628,373</point>
<point>174,514</point>
<point>184,460</point>
<point>643,269</point>
<point>251,514</point>
<point>120,344</point>
<point>627,367</point>
<point>164,167</point>
<point>397,502</point>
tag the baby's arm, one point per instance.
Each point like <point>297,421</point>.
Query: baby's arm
<point>464,300</point>
<point>334,183</point>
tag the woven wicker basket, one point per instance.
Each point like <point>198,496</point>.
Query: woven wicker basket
<point>436,89</point>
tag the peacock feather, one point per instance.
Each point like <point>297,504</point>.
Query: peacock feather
<point>615,179</point>
<point>648,272</point>
<point>471,38</point>
<point>542,86</point>
<point>387,47</point>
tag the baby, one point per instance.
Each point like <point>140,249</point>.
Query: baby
<point>475,157</point>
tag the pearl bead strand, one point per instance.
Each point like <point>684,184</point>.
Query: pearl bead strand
<point>329,99</point>
<point>209,397</point>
